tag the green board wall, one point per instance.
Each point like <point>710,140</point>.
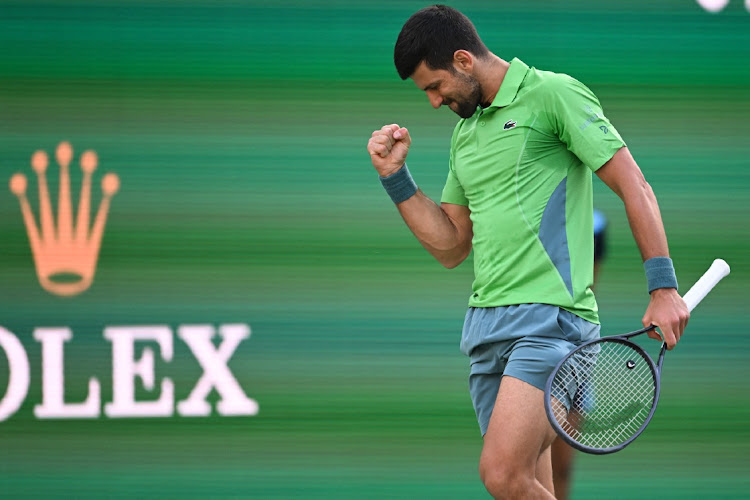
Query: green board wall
<point>237,131</point>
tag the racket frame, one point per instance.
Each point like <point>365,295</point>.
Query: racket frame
<point>621,339</point>
<point>718,270</point>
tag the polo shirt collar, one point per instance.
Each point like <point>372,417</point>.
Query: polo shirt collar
<point>511,83</point>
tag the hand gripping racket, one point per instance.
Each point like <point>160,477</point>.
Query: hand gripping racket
<point>601,396</point>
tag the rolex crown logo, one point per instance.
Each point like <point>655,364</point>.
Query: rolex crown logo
<point>65,256</point>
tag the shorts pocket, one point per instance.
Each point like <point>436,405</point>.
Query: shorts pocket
<point>569,326</point>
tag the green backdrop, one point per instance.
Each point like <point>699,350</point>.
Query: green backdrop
<point>238,132</point>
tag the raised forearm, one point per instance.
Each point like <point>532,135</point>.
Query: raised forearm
<point>448,240</point>
<point>444,231</point>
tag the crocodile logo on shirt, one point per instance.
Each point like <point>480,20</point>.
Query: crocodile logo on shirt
<point>509,124</point>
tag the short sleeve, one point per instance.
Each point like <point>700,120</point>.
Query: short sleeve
<point>579,122</point>
<point>453,192</point>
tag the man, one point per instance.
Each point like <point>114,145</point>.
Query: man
<point>519,194</point>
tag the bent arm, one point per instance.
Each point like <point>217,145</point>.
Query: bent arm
<point>445,231</point>
<point>666,309</point>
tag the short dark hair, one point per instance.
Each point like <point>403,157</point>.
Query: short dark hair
<point>433,35</point>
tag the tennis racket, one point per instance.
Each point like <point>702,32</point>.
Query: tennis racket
<point>602,395</point>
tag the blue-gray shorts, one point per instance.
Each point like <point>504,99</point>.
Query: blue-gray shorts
<point>524,341</point>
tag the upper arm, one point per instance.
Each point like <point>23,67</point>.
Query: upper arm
<point>622,174</point>
<point>460,216</point>
<point>455,206</point>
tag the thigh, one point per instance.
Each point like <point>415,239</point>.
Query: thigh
<point>518,432</point>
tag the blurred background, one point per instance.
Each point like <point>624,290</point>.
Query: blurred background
<point>238,133</point>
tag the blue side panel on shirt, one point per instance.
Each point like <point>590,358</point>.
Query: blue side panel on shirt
<point>553,235</point>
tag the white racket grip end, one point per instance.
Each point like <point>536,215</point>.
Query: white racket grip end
<point>710,278</point>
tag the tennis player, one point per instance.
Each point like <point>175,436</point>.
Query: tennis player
<point>519,193</point>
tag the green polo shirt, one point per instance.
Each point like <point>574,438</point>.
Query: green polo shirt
<point>523,167</point>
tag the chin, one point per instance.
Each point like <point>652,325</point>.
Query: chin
<point>464,113</point>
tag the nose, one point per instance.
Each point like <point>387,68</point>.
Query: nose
<point>435,99</point>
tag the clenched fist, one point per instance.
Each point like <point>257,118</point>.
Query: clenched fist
<point>388,148</point>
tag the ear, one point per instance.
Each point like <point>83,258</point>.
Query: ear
<point>463,60</point>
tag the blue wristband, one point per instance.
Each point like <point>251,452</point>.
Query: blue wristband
<point>660,273</point>
<point>400,186</point>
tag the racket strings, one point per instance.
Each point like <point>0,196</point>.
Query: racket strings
<point>603,394</point>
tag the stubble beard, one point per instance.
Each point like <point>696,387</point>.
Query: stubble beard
<point>466,107</point>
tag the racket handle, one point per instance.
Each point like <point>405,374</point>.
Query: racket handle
<point>710,278</point>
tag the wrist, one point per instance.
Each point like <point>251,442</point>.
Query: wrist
<point>657,292</point>
<point>660,274</point>
<point>389,171</point>
<point>399,185</point>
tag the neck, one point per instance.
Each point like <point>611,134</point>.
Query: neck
<point>491,75</point>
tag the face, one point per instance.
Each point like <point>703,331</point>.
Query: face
<point>459,91</point>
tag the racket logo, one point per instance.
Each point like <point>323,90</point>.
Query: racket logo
<point>630,364</point>
<point>65,254</point>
